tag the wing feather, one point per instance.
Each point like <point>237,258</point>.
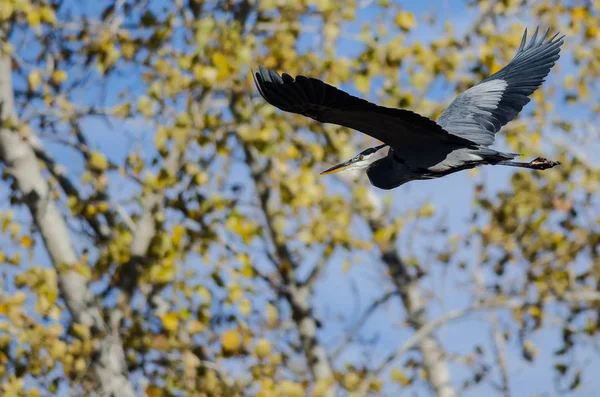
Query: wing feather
<point>399,128</point>
<point>481,111</point>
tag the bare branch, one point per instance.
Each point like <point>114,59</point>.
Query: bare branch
<point>102,231</point>
<point>495,303</point>
<point>499,346</point>
<point>360,323</point>
<point>316,271</point>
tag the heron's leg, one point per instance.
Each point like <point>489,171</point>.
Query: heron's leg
<point>539,163</point>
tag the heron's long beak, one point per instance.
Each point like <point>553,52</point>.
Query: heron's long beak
<point>338,168</point>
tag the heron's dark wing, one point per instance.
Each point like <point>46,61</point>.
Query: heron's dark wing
<point>313,98</point>
<point>478,113</point>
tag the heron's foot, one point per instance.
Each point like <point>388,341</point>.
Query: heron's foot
<point>541,163</point>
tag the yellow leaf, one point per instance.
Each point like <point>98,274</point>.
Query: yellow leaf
<point>427,210</point>
<point>178,231</point>
<point>530,348</point>
<point>195,327</point>
<point>15,260</point>
<point>247,271</point>
<point>200,178</point>
<point>272,315</point>
<point>81,331</point>
<point>98,162</point>
<point>190,363</point>
<point>6,48</point>
<point>59,76</point>
<point>160,138</point>
<point>90,210</point>
<point>362,83</point>
<point>170,321</point>
<point>405,20</point>
<point>235,292</point>
<point>33,17</point>
<point>204,293</point>
<point>245,307</point>
<point>321,388</point>
<point>103,206</point>
<point>351,381</point>
<point>398,376</point>
<point>222,64</point>
<point>122,110</point>
<point>324,5</point>
<point>291,389</point>
<point>58,349</point>
<point>145,106</point>
<point>384,234</point>
<point>346,266</point>
<point>47,15</point>
<point>6,10</point>
<point>153,391</point>
<point>162,273</point>
<point>495,67</point>
<point>14,228</point>
<point>231,340</point>
<point>262,348</point>
<point>80,365</point>
<point>578,14</point>
<point>331,31</point>
<point>34,79</point>
<point>26,242</point>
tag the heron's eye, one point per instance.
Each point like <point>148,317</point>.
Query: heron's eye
<point>360,157</point>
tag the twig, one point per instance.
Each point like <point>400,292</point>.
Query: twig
<point>360,323</point>
<point>495,303</point>
<point>498,346</point>
<point>102,230</point>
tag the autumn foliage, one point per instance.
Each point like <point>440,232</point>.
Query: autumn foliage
<point>166,232</point>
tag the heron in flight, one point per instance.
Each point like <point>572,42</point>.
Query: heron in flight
<point>415,147</point>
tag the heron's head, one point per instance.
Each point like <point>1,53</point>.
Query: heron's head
<point>361,161</point>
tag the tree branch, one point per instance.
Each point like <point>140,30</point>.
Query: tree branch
<point>109,363</point>
<point>495,303</point>
<point>102,231</point>
<point>498,344</point>
<point>360,323</point>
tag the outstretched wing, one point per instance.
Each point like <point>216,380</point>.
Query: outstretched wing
<point>478,113</point>
<point>313,98</point>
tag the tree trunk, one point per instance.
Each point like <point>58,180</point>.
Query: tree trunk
<point>21,162</point>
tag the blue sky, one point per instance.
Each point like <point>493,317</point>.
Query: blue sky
<point>349,294</point>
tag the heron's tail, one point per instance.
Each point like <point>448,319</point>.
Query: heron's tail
<point>491,156</point>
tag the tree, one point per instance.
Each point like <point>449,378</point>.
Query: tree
<point>165,231</point>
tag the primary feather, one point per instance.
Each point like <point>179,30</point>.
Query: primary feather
<point>481,111</point>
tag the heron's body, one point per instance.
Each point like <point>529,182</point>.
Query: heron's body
<point>416,147</point>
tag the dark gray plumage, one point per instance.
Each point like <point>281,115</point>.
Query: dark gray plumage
<point>420,148</point>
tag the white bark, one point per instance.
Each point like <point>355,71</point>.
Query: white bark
<point>315,353</point>
<point>21,163</point>
<point>144,232</point>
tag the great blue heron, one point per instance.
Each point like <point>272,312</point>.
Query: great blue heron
<point>420,148</point>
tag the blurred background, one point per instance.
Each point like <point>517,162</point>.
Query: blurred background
<point>166,232</point>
